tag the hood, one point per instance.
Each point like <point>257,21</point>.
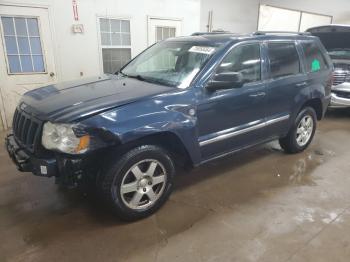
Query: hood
<point>70,101</point>
<point>333,36</point>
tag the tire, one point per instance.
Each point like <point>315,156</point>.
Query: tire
<point>139,182</point>
<point>301,134</point>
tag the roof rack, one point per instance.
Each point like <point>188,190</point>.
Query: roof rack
<point>214,32</point>
<point>280,32</point>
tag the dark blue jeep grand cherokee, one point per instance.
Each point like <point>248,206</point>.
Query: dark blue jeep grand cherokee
<point>183,101</point>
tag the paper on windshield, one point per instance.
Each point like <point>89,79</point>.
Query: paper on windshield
<point>208,50</point>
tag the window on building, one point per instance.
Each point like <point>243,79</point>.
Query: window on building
<point>115,43</point>
<point>164,32</point>
<point>23,45</point>
<point>244,59</point>
<point>284,59</point>
<point>314,59</point>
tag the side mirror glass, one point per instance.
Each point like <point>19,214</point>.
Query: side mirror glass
<point>225,80</point>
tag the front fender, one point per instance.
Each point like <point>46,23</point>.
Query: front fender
<point>144,118</point>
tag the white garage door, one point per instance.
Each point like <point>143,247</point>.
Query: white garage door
<point>279,19</point>
<point>26,55</point>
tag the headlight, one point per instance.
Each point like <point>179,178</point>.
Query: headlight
<point>61,137</point>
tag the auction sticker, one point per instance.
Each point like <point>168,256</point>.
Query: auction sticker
<point>208,50</point>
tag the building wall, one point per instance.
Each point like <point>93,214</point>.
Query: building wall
<point>76,53</point>
<point>242,16</point>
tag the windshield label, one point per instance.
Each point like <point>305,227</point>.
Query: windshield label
<point>202,49</point>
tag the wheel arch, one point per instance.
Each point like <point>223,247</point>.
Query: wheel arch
<point>316,104</point>
<point>168,141</point>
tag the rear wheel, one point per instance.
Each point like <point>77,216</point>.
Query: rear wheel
<point>302,132</point>
<point>139,182</point>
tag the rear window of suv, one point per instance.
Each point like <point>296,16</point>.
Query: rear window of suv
<point>314,59</point>
<point>284,59</point>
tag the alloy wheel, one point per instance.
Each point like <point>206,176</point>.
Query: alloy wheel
<point>304,130</point>
<point>143,184</point>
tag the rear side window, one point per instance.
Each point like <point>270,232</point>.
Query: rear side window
<point>284,59</point>
<point>314,59</point>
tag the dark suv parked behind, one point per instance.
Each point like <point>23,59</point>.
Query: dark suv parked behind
<point>183,101</point>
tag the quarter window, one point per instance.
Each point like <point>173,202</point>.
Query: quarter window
<point>23,45</point>
<point>115,43</point>
<point>284,59</point>
<point>314,59</point>
<point>244,59</point>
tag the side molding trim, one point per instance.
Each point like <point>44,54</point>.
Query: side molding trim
<point>227,134</point>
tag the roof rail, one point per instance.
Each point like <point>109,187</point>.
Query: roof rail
<point>214,32</point>
<point>280,32</point>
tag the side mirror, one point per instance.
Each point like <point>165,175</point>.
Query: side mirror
<point>225,80</point>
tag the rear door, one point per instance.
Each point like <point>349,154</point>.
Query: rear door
<point>26,52</point>
<point>286,82</point>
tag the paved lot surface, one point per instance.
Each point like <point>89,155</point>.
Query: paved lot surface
<point>261,205</point>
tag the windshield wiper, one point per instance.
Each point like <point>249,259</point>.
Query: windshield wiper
<point>138,77</point>
<point>120,72</point>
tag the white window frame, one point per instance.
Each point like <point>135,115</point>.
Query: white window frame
<point>2,32</point>
<point>100,46</point>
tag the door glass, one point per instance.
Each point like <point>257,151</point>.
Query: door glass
<point>244,59</point>
<point>164,32</point>
<point>23,45</point>
<point>284,59</point>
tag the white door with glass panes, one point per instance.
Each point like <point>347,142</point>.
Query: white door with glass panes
<point>161,29</point>
<point>26,51</point>
<point>115,43</point>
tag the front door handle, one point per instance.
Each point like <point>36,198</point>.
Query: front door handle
<point>260,94</point>
<point>301,84</point>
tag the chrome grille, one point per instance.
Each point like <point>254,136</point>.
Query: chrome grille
<point>339,77</point>
<point>26,129</point>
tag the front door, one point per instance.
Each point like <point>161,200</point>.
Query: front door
<point>233,118</point>
<point>160,29</point>
<point>26,53</point>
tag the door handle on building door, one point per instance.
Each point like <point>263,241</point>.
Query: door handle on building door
<point>52,74</point>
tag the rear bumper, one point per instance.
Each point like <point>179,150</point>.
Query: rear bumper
<point>26,162</point>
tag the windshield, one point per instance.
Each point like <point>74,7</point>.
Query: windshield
<point>169,63</point>
<point>339,53</point>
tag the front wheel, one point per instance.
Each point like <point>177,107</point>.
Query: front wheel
<point>301,133</point>
<point>139,182</point>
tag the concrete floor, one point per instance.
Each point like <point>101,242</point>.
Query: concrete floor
<point>260,205</point>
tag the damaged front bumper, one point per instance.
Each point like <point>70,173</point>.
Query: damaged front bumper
<point>67,170</point>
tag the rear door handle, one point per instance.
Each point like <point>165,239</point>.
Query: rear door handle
<point>301,84</point>
<point>260,94</point>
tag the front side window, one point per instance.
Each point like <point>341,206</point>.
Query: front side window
<point>284,59</point>
<point>115,43</point>
<point>23,45</point>
<point>170,63</point>
<point>244,59</point>
<point>314,59</point>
